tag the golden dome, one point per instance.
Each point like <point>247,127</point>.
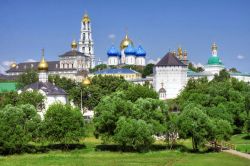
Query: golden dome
<point>13,65</point>
<point>74,44</point>
<point>86,18</point>
<point>125,42</point>
<point>43,65</point>
<point>86,81</point>
<point>179,51</point>
<point>214,46</point>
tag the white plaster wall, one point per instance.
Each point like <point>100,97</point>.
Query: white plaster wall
<point>214,69</point>
<point>174,79</point>
<point>113,60</point>
<point>140,61</point>
<point>130,59</point>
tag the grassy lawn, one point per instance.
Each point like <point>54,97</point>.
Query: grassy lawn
<point>90,157</point>
<point>241,142</point>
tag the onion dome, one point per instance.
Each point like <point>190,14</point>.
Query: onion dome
<point>125,42</point>
<point>13,65</point>
<point>86,18</point>
<point>43,65</point>
<point>140,51</point>
<point>86,81</point>
<point>112,51</point>
<point>214,60</point>
<point>74,45</point>
<point>130,50</point>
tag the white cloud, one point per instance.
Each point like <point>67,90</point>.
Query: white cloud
<point>5,65</point>
<point>197,64</point>
<point>240,57</point>
<point>111,36</point>
<point>30,60</point>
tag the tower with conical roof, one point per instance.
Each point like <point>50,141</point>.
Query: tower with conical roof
<point>86,44</point>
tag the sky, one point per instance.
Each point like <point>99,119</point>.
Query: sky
<point>27,26</point>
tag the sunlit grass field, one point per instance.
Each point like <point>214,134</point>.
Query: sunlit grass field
<point>90,157</point>
<point>242,142</point>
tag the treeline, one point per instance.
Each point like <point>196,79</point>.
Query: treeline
<point>21,125</point>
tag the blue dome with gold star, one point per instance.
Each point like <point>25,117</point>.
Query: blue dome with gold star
<point>140,51</point>
<point>112,51</point>
<point>130,50</point>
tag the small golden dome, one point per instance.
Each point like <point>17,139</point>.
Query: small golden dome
<point>86,18</point>
<point>13,65</point>
<point>74,44</point>
<point>86,81</point>
<point>125,42</point>
<point>214,46</point>
<point>179,51</point>
<point>43,65</point>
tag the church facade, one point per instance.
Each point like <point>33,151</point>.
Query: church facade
<point>127,55</point>
<point>51,93</point>
<point>73,64</point>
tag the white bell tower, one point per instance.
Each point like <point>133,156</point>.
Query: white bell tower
<point>86,44</point>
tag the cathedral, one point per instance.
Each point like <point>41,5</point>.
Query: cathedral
<point>127,55</point>
<point>73,64</point>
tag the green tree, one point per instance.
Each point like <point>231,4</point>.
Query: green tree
<point>135,92</point>
<point>194,123</point>
<point>63,124</point>
<point>172,130</point>
<point>99,67</point>
<point>18,126</point>
<point>221,130</point>
<point>136,133</point>
<point>148,70</point>
<point>26,78</point>
<point>34,98</point>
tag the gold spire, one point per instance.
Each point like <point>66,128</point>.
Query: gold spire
<point>214,46</point>
<point>74,45</point>
<point>180,52</point>
<point>86,81</point>
<point>43,65</point>
<point>125,42</point>
<point>86,18</point>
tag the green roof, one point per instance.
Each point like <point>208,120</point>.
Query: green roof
<point>7,86</point>
<point>214,60</point>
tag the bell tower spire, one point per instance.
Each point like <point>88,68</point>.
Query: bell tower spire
<point>214,49</point>
<point>86,44</point>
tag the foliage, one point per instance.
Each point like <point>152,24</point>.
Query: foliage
<point>99,67</point>
<point>195,69</point>
<point>34,98</point>
<point>28,97</point>
<point>136,133</point>
<point>135,92</point>
<point>172,130</point>
<point>26,78</point>
<point>194,123</point>
<point>18,125</point>
<point>111,108</point>
<point>148,70</point>
<point>63,124</point>
<point>222,98</point>
<point>233,70</point>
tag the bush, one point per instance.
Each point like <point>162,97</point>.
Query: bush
<point>135,133</point>
<point>63,124</point>
<point>17,125</point>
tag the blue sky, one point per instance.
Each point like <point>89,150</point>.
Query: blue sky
<point>158,25</point>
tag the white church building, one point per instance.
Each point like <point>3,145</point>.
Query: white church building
<point>127,55</point>
<point>50,92</point>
